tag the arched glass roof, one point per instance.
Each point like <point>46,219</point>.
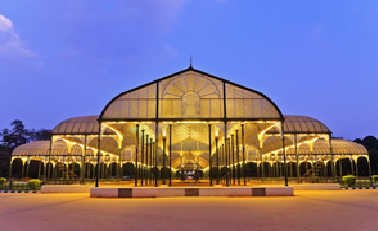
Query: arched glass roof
<point>190,94</point>
<point>41,148</point>
<point>83,125</point>
<point>302,125</point>
<point>321,147</point>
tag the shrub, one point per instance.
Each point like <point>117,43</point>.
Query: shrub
<point>349,180</point>
<point>375,178</point>
<point>34,184</point>
<point>2,181</point>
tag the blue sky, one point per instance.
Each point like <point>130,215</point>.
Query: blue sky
<point>61,59</point>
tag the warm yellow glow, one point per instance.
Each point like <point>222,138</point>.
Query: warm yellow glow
<point>164,133</point>
<point>236,126</point>
<point>216,133</point>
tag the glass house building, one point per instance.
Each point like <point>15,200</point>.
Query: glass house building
<point>191,128</point>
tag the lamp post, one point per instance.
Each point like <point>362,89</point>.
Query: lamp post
<point>237,150</point>
<point>233,156</point>
<point>170,155</point>
<point>216,154</point>
<point>141,168</point>
<point>164,144</point>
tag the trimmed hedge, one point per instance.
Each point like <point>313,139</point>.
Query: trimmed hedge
<point>2,181</point>
<point>349,180</point>
<point>34,184</point>
<point>375,178</point>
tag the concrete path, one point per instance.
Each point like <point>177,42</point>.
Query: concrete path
<point>310,210</point>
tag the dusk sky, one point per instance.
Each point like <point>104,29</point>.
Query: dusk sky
<point>62,59</point>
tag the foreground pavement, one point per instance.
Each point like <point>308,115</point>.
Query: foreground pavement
<point>310,210</point>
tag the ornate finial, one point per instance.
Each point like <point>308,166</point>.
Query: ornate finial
<point>191,61</point>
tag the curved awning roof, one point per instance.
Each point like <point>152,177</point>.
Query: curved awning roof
<point>83,125</point>
<point>88,125</point>
<point>340,148</point>
<point>302,125</point>
<point>41,148</point>
<point>321,147</point>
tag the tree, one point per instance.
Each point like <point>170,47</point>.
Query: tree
<point>371,145</point>
<point>14,137</point>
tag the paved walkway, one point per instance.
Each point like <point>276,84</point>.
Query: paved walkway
<point>309,210</point>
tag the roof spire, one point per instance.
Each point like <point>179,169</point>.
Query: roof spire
<point>191,62</point>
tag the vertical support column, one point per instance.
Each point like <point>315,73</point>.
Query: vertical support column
<point>225,130</point>
<point>151,160</point>
<point>331,154</point>
<point>51,142</point>
<point>296,154</point>
<point>148,166</point>
<point>229,161</point>
<point>136,154</point>
<point>217,156</point>
<point>277,163</point>
<point>291,168</point>
<point>98,155</point>
<point>341,167</point>
<point>170,155</point>
<point>284,153</point>
<point>55,171</point>
<point>226,148</point>
<point>106,174</point>
<point>223,160</point>
<point>103,166</point>
<point>10,168</point>
<point>44,169</point>
<point>156,133</point>
<point>83,156</point>
<point>326,169</point>
<point>22,169</point>
<point>210,160</point>
<point>368,161</point>
<point>270,164</point>
<point>27,168</point>
<point>312,158</point>
<point>142,158</point>
<point>357,166</point>
<point>110,172</point>
<point>88,167</point>
<point>163,175</point>
<point>242,126</point>
<point>39,170</point>
<point>156,152</point>
<point>69,152</point>
<point>118,165</point>
<point>237,153</point>
<point>351,163</point>
<point>261,138</point>
<point>233,157</point>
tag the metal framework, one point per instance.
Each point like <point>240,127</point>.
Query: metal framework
<point>191,126</point>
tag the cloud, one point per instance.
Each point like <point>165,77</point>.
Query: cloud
<point>11,45</point>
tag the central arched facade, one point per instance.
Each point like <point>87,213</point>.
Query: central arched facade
<point>190,126</point>
<point>197,113</point>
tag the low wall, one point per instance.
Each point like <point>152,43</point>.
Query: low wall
<point>192,191</point>
<point>317,187</point>
<point>66,189</point>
